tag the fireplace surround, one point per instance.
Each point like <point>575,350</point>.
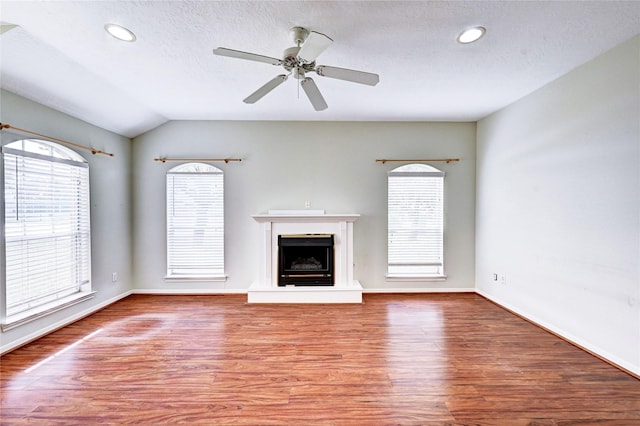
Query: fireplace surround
<point>345,289</point>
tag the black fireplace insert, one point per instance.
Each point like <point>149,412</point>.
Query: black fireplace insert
<point>305,259</point>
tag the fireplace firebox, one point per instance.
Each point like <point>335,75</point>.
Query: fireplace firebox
<point>305,259</point>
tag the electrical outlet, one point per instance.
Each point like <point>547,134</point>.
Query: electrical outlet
<point>503,279</point>
<point>307,204</point>
<point>114,277</point>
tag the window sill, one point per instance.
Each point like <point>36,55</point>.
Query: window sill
<point>22,318</point>
<point>195,278</point>
<point>416,278</point>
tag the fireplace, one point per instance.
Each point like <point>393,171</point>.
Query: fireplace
<point>266,287</point>
<point>305,259</point>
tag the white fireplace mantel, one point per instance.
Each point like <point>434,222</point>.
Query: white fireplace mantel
<point>345,289</point>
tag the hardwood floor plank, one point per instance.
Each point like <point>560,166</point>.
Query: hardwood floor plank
<point>395,359</point>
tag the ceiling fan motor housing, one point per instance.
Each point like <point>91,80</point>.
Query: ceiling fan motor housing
<point>290,61</point>
<point>290,58</point>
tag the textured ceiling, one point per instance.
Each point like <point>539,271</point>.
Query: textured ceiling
<point>60,56</point>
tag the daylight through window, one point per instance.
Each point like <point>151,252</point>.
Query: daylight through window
<point>47,226</point>
<point>195,221</point>
<point>415,221</point>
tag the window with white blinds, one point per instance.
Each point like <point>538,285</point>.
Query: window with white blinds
<point>47,225</point>
<point>415,221</point>
<point>195,221</point>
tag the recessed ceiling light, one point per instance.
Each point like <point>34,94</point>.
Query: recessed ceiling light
<point>471,34</point>
<point>120,32</point>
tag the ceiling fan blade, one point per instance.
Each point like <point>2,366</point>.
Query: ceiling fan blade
<point>223,51</point>
<point>5,26</point>
<point>348,75</point>
<point>313,93</point>
<point>269,86</point>
<point>314,45</point>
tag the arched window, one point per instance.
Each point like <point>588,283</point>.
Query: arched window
<point>195,221</point>
<point>47,227</point>
<point>415,221</point>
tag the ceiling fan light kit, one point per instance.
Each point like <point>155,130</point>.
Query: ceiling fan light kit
<point>299,60</point>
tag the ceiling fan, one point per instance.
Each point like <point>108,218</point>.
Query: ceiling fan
<point>300,60</point>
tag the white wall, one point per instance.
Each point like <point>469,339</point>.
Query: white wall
<point>284,164</point>
<point>558,210</point>
<point>110,208</point>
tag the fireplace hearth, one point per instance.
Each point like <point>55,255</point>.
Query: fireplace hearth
<point>305,260</point>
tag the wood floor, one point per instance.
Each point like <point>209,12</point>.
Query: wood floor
<point>396,359</point>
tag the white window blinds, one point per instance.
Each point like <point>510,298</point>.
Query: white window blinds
<point>195,221</point>
<point>47,225</point>
<point>415,221</point>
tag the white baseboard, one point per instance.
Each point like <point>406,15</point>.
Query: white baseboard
<point>587,346</point>
<point>187,291</point>
<point>53,327</point>
<point>419,290</point>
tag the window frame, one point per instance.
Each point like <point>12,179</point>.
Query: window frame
<point>418,170</point>
<point>213,275</point>
<point>35,150</point>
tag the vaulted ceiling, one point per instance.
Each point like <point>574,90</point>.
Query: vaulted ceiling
<point>60,55</point>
